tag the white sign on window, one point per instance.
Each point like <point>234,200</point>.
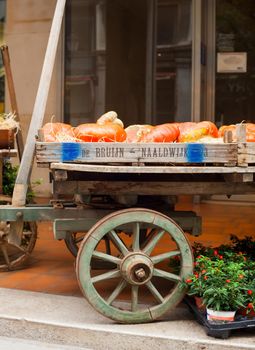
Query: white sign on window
<point>232,62</point>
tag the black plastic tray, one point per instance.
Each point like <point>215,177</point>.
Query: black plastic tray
<point>222,330</point>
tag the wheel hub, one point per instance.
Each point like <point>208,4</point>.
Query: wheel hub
<point>136,268</point>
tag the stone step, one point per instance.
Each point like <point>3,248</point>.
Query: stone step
<point>71,321</point>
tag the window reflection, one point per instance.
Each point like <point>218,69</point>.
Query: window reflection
<point>235,32</point>
<point>108,47</point>
<point>174,51</point>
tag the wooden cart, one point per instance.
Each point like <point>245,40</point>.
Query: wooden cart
<point>110,205</point>
<point>135,242</point>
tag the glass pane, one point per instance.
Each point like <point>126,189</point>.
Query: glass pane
<point>235,33</point>
<point>106,60</point>
<point>173,63</point>
<point>126,30</point>
<point>79,61</point>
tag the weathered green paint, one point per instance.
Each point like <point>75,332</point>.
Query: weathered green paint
<point>48,213</point>
<point>63,226</point>
<point>110,223</point>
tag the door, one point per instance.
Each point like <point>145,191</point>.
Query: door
<point>139,58</point>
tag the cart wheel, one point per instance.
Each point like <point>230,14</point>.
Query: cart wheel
<point>13,257</point>
<point>143,279</point>
<point>74,240</point>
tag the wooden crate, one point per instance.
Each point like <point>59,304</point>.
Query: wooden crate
<point>162,153</point>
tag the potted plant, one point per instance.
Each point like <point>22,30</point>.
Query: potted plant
<point>218,281</point>
<point>224,278</point>
<point>249,292</point>
<point>8,128</point>
<point>245,245</point>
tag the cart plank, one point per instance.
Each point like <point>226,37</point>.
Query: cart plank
<point>148,169</point>
<point>6,153</point>
<point>151,187</point>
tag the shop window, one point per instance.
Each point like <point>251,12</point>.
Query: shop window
<point>235,58</point>
<point>114,62</point>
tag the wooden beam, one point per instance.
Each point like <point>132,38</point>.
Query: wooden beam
<point>151,188</point>
<point>21,185</point>
<point>151,169</point>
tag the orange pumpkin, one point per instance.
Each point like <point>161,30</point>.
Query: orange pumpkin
<point>250,131</point>
<point>136,132</point>
<point>53,131</point>
<point>225,128</point>
<point>191,132</point>
<point>168,132</point>
<point>92,132</point>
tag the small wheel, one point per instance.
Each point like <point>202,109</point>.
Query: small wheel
<point>142,279</point>
<point>13,257</point>
<point>73,241</point>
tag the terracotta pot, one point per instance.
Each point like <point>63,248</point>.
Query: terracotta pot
<point>244,311</point>
<point>220,316</point>
<point>6,139</point>
<point>199,303</point>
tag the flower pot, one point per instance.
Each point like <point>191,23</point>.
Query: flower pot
<point>220,316</point>
<point>250,313</point>
<point>200,304</point>
<point>6,139</point>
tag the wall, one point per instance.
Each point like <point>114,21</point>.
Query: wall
<point>28,25</point>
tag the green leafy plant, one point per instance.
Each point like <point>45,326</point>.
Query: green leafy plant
<point>249,284</point>
<point>10,172</point>
<point>221,281</point>
<point>245,245</point>
<point>224,288</point>
<point>9,176</point>
<point>225,279</point>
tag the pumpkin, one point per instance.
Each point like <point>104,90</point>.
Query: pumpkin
<point>168,132</point>
<point>191,132</point>
<point>58,132</point>
<point>93,132</point>
<point>250,131</point>
<point>136,132</point>
<point>110,117</point>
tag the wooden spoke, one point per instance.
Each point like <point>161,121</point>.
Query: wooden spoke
<point>20,249</point>
<point>136,237</point>
<point>78,240</point>
<point>155,292</point>
<point>153,242</point>
<point>106,257</point>
<point>134,298</point>
<point>27,233</point>
<point>122,284</point>
<point>150,233</point>
<point>167,275</point>
<point>106,276</point>
<point>118,242</point>
<point>158,258</point>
